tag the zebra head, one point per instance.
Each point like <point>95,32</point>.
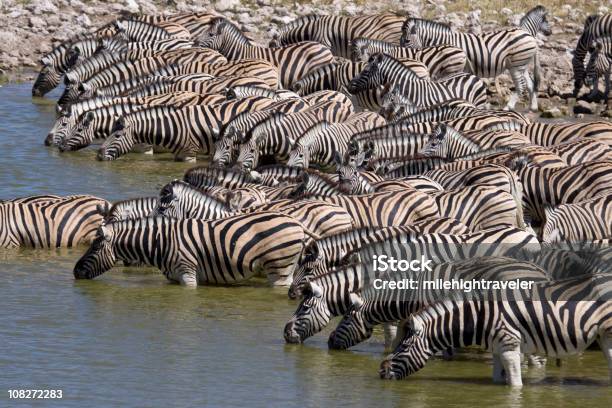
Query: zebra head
<point>79,135</point>
<point>120,141</point>
<point>311,317</point>
<point>299,156</point>
<point>214,37</point>
<point>348,176</point>
<point>225,144</point>
<point>410,34</point>
<point>360,52</point>
<point>252,144</point>
<point>63,123</point>
<point>352,329</point>
<point>310,265</point>
<point>394,103</point>
<point>370,77</point>
<point>597,59</point>
<point>536,20</point>
<point>437,143</point>
<point>70,94</point>
<point>99,258</point>
<point>48,79</point>
<point>410,355</point>
<point>359,153</point>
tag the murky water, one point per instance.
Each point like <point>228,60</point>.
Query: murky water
<point>130,339</point>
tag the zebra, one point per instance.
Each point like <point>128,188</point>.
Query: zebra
<point>549,187</point>
<point>337,32</point>
<point>184,132</point>
<point>569,315</point>
<point>293,61</point>
<point>192,252</point>
<point>382,69</point>
<point>441,61</point>
<point>549,134</point>
<point>326,296</point>
<point>490,54</point>
<point>181,200</point>
<point>328,251</point>
<point>131,209</point>
<point>59,61</point>
<point>372,306</point>
<point>586,220</point>
<point>598,65</point>
<point>49,221</point>
<point>275,135</point>
<point>594,27</point>
<point>137,31</point>
<point>317,145</point>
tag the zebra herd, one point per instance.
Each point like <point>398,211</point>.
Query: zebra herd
<point>343,139</point>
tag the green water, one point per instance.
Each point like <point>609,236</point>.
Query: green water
<point>130,339</point>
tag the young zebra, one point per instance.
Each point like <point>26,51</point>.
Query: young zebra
<point>382,69</point>
<point>185,132</point>
<point>550,187</point>
<point>194,252</point>
<point>181,200</point>
<point>131,209</point>
<point>293,61</point>
<point>568,317</point>
<point>49,221</point>
<point>490,54</point>
<point>594,27</point>
<point>599,66</point>
<point>337,32</point>
<point>276,135</point>
<point>372,306</point>
<point>317,145</point>
<point>441,61</point>
<point>586,220</point>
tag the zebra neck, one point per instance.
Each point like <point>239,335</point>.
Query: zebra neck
<point>144,240</point>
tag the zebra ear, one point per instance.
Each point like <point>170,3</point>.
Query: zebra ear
<point>356,301</point>
<point>315,289</point>
<point>414,326</point>
<point>105,232</point>
<point>215,133</point>
<point>89,117</point>
<point>103,210</point>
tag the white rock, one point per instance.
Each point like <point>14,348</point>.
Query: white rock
<point>225,5</point>
<point>36,22</point>
<point>602,10</point>
<point>42,7</point>
<point>83,20</point>
<point>8,41</point>
<point>132,6</point>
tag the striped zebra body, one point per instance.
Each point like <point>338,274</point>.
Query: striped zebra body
<point>204,176</point>
<point>329,251</point>
<point>238,92</point>
<point>393,208</point>
<point>317,145</point>
<point>184,132</point>
<point>256,68</point>
<point>441,61</point>
<point>293,61</point>
<point>569,316</point>
<point>49,221</point>
<point>586,220</point>
<point>275,136</point>
<point>396,106</point>
<point>478,207</point>
<point>194,252</point>
<point>372,306</point>
<point>582,151</point>
<point>131,209</point>
<point>383,69</point>
<point>116,45</point>
<point>530,155</point>
<point>572,184</point>
<point>337,32</point>
<point>595,27</point>
<point>91,66</point>
<point>549,134</point>
<point>489,54</point>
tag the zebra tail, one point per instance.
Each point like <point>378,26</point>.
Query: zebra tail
<point>536,72</point>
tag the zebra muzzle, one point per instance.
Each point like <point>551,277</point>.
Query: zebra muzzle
<point>291,336</point>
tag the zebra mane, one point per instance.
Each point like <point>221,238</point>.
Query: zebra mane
<point>274,118</point>
<point>488,152</point>
<point>450,132</point>
<point>280,170</point>
<point>189,189</point>
<point>425,23</point>
<point>128,202</point>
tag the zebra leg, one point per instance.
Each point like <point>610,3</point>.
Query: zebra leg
<point>607,88</point>
<point>518,77</point>
<point>499,376</point>
<point>400,334</point>
<point>511,360</point>
<point>605,343</point>
<point>186,276</point>
<point>532,90</point>
<point>535,361</point>
<point>390,330</point>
